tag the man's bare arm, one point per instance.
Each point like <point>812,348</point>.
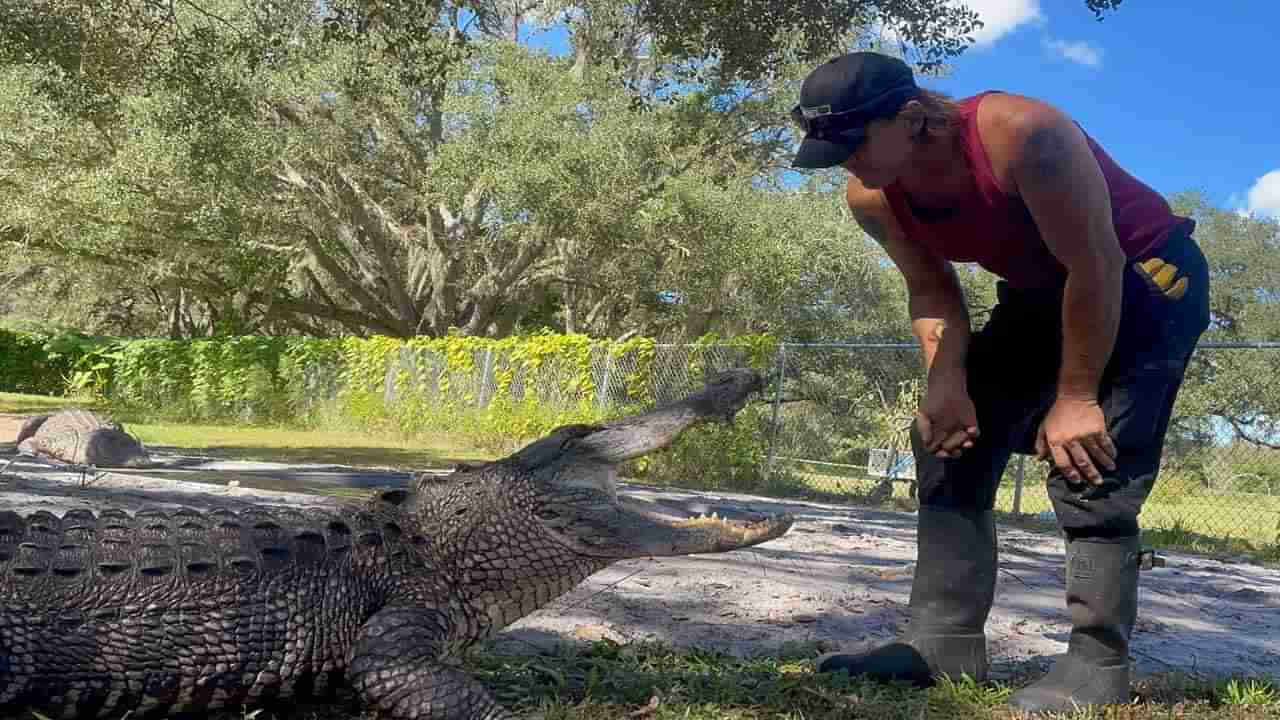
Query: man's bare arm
<point>1062,185</point>
<point>935,300</point>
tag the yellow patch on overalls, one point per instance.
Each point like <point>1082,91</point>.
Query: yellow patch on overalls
<point>1163,277</point>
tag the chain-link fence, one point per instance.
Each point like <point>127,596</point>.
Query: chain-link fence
<point>836,417</point>
<point>613,380</point>
<point>842,412</point>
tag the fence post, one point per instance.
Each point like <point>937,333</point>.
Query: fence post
<point>602,390</point>
<point>1017,485</point>
<point>777,402</point>
<point>486,374</point>
<point>389,394</point>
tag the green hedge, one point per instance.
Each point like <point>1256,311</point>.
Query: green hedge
<point>42,363</point>
<point>498,393</point>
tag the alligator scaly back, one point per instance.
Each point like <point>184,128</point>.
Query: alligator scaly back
<point>179,610</point>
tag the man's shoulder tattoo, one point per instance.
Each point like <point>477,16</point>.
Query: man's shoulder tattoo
<point>1045,152</point>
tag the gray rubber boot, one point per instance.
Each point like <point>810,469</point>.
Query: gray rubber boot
<point>1102,596</point>
<point>951,596</point>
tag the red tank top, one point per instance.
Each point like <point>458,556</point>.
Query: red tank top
<point>996,231</point>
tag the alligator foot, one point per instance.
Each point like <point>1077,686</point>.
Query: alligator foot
<point>395,667</point>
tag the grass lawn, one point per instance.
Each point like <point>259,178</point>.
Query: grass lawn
<point>1232,524</point>
<point>19,404</point>
<point>610,682</point>
<point>309,446</point>
<point>278,444</point>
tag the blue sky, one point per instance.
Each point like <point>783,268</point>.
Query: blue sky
<point>1184,95</point>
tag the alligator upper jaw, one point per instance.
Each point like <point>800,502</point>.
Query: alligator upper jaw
<point>723,396</point>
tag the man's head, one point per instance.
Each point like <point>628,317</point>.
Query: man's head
<point>859,111</point>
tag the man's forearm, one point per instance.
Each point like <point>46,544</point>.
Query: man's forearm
<point>1090,319</point>
<point>941,324</point>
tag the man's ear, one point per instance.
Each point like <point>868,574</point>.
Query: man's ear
<point>913,112</point>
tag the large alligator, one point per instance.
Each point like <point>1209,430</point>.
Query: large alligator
<point>81,437</point>
<point>167,612</point>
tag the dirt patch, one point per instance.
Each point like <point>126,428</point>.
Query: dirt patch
<point>840,578</point>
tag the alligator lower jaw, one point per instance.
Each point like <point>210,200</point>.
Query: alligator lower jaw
<point>729,535</point>
<point>636,531</point>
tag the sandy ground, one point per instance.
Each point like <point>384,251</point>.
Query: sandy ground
<point>9,425</point>
<point>840,578</point>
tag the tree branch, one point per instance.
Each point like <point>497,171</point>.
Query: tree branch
<point>351,318</point>
<point>346,282</point>
<point>380,228</point>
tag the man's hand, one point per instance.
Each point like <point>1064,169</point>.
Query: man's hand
<point>947,419</point>
<point>1074,436</point>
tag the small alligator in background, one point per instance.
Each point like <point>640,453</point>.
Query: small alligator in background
<point>178,611</point>
<point>81,437</point>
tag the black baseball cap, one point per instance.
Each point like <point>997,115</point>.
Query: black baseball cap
<point>840,97</point>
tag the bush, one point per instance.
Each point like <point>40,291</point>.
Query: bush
<point>499,394</point>
<point>713,456</point>
<point>43,363</point>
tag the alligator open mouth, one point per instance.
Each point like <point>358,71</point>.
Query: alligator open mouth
<point>587,512</point>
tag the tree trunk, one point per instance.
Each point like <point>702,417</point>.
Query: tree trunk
<point>175,315</point>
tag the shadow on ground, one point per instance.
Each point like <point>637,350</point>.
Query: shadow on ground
<point>372,457</point>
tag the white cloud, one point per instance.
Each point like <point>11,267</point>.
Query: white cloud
<point>1235,202</point>
<point>1077,52</point>
<point>1264,196</point>
<point>1001,17</point>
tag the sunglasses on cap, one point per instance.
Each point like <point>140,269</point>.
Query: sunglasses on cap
<point>820,120</point>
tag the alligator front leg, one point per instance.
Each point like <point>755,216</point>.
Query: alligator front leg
<point>395,664</point>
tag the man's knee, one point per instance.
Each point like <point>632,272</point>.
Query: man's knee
<point>1138,409</point>
<point>1110,510</point>
<point>968,482</point>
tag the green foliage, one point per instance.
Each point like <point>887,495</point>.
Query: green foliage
<point>716,456</point>
<point>749,37</point>
<point>227,168</point>
<point>23,366</point>
<point>499,394</point>
<point>1249,691</point>
<point>44,363</point>
<point>225,378</point>
<point>505,392</point>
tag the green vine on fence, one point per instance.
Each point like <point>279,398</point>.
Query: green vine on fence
<point>553,377</point>
<point>497,393</point>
